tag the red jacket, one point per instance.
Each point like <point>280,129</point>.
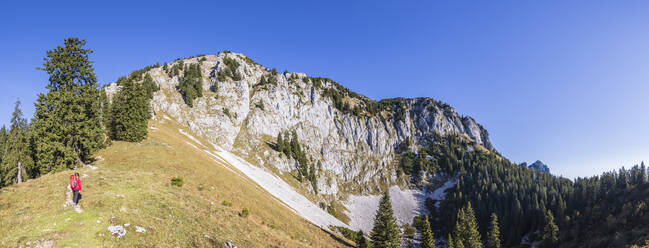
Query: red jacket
<point>75,184</point>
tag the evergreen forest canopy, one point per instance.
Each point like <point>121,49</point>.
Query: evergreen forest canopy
<point>494,203</point>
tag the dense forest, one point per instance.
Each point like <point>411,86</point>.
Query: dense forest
<point>609,210</point>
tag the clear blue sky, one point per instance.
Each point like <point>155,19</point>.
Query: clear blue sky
<point>565,82</point>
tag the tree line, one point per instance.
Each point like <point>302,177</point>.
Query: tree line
<point>532,203</point>
<point>73,118</point>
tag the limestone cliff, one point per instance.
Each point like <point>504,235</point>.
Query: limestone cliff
<point>353,138</point>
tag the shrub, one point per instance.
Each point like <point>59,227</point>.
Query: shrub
<point>226,111</point>
<point>177,181</point>
<point>348,233</point>
<point>226,203</point>
<point>260,105</point>
<point>244,213</point>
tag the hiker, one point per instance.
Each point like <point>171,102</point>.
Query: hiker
<point>75,185</point>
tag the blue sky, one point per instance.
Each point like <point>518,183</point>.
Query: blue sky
<point>565,82</point>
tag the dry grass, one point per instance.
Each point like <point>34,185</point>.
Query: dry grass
<point>132,184</point>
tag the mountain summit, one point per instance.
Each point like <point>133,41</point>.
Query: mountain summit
<point>539,166</point>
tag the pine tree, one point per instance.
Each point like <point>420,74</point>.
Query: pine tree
<point>17,160</point>
<point>466,228</point>
<point>67,121</point>
<point>130,112</point>
<point>362,241</point>
<point>493,235</point>
<point>427,239</point>
<point>190,85</point>
<point>385,233</point>
<point>295,145</point>
<point>3,141</point>
<point>280,143</point>
<point>550,231</point>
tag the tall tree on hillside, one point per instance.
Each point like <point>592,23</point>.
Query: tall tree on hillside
<point>17,158</point>
<point>427,239</point>
<point>362,241</point>
<point>3,141</point>
<point>466,228</point>
<point>67,122</point>
<point>280,143</point>
<point>449,242</point>
<point>385,233</point>
<point>130,112</point>
<point>493,235</point>
<point>550,231</point>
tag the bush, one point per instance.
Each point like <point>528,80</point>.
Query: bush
<point>348,233</point>
<point>226,203</point>
<point>244,213</point>
<point>177,181</point>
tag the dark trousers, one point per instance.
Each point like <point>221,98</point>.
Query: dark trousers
<point>76,197</point>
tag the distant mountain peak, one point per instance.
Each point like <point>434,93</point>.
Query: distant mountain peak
<point>539,166</point>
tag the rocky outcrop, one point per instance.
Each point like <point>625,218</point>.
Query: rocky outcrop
<point>356,149</point>
<point>539,166</point>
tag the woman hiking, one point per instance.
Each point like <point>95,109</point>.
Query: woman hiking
<point>75,185</point>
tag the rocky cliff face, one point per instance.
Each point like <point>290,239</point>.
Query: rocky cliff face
<point>354,139</point>
<point>539,166</point>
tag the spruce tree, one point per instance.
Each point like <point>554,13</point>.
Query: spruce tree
<point>466,228</point>
<point>130,112</point>
<point>362,241</point>
<point>550,231</point>
<point>385,233</point>
<point>17,160</point>
<point>67,121</point>
<point>280,143</point>
<point>427,239</point>
<point>450,243</point>
<point>493,235</point>
<point>3,140</point>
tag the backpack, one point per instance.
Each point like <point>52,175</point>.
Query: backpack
<point>73,182</point>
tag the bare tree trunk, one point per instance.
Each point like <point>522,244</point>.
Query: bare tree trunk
<point>19,178</point>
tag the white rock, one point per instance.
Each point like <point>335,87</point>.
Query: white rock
<point>117,231</point>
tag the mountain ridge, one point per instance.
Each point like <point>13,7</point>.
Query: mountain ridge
<point>242,115</point>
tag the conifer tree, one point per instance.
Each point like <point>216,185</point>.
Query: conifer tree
<point>385,233</point>
<point>427,239</point>
<point>295,145</point>
<point>67,121</point>
<point>362,241</point>
<point>280,143</point>
<point>3,140</point>
<point>130,112</point>
<point>450,243</point>
<point>550,231</point>
<point>466,229</point>
<point>17,160</point>
<point>493,235</point>
<point>190,85</point>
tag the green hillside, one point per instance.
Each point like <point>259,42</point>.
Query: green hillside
<point>131,184</point>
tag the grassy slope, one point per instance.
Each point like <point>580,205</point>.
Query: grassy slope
<point>132,185</point>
